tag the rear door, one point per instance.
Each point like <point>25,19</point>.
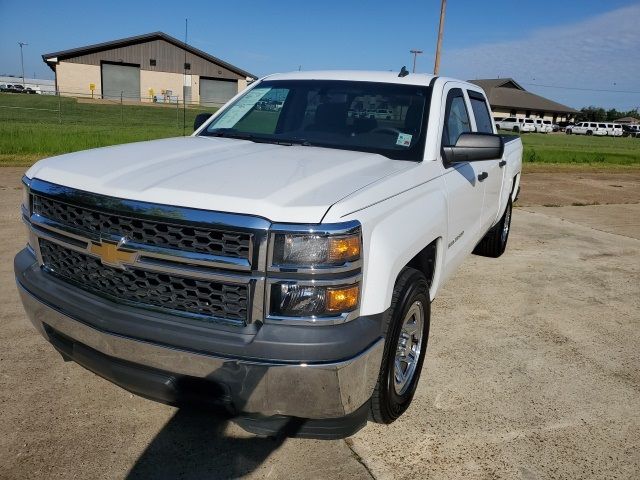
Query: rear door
<point>464,192</point>
<point>490,169</point>
<point>120,81</point>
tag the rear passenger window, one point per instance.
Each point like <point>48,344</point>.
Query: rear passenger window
<point>481,113</point>
<point>456,118</point>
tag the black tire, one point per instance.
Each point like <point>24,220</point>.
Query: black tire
<point>589,132</point>
<point>494,243</point>
<point>386,403</point>
<point>568,131</point>
<point>516,129</point>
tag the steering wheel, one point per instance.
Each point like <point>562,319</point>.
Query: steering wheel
<point>387,130</point>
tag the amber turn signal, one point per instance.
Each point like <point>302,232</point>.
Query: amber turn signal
<point>344,249</point>
<point>342,299</point>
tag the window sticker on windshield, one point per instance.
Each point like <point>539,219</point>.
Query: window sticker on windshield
<point>234,114</point>
<point>404,139</point>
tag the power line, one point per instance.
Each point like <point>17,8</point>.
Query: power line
<point>580,88</point>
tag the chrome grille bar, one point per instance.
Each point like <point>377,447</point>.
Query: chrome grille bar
<point>75,237</point>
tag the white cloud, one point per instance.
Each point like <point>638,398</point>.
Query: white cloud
<point>602,52</point>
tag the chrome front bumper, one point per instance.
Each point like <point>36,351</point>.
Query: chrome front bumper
<point>313,391</point>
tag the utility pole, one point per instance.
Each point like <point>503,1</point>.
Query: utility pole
<point>184,81</point>
<point>443,7</point>
<point>415,55</point>
<point>22,44</point>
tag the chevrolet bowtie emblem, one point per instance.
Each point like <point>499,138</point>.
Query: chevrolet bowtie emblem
<point>112,254</point>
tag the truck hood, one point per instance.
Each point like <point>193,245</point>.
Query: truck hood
<point>295,184</point>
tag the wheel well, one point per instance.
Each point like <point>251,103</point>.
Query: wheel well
<point>425,261</point>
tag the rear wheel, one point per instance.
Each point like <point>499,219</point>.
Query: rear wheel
<point>589,132</point>
<point>516,129</point>
<point>494,243</point>
<point>404,349</point>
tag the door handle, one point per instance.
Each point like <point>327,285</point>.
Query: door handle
<point>502,163</point>
<point>482,176</point>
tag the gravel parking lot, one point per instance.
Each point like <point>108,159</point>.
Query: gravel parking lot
<point>532,372</point>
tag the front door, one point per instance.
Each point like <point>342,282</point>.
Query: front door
<point>464,191</point>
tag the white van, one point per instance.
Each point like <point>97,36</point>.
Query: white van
<point>614,129</point>
<point>587,128</point>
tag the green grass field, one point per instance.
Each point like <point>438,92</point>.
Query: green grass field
<point>580,149</point>
<point>38,126</point>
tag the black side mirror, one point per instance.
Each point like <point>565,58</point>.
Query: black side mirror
<point>473,147</point>
<point>200,119</point>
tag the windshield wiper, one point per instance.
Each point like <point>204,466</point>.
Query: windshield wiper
<point>230,133</point>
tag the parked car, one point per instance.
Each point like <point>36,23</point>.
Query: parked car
<point>631,130</point>
<point>555,127</point>
<point>564,125</point>
<point>614,129</point>
<point>383,114</point>
<point>510,123</point>
<point>30,91</point>
<point>282,275</point>
<point>547,127</point>
<point>19,88</point>
<point>541,127</point>
<point>528,125</point>
<point>586,128</point>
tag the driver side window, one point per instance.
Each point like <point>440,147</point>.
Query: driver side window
<point>456,118</point>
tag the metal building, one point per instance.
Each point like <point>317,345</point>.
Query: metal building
<point>151,67</point>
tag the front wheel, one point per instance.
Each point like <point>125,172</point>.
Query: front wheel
<point>404,349</point>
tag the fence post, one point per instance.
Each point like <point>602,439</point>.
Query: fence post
<point>121,109</point>
<point>59,107</point>
<point>177,114</point>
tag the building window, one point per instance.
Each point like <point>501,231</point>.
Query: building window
<point>187,66</point>
<point>513,113</point>
<point>527,113</point>
<point>152,62</point>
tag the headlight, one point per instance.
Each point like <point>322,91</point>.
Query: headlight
<point>26,207</point>
<point>293,300</point>
<point>316,250</point>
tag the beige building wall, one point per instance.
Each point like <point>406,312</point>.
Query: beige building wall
<point>506,112</point>
<point>242,84</point>
<point>73,79</point>
<point>164,81</point>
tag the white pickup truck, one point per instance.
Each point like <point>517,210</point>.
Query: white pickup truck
<point>278,263</point>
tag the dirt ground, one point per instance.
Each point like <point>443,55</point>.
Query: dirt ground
<point>532,370</point>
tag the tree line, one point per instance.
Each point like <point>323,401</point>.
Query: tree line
<point>597,114</point>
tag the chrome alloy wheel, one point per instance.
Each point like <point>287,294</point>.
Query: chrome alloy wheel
<point>409,345</point>
<point>507,224</point>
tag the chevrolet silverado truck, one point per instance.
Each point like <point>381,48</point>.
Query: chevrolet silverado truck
<point>278,264</point>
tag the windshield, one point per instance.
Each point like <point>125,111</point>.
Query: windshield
<point>381,118</point>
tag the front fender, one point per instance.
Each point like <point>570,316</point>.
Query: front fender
<point>394,231</point>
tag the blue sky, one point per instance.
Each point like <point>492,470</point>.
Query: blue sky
<point>579,44</point>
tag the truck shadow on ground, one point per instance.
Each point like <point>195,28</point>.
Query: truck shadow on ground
<point>195,444</point>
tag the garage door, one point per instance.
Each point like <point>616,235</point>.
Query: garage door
<point>217,92</point>
<point>117,79</point>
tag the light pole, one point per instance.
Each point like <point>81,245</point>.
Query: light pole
<point>443,7</point>
<point>415,55</point>
<point>22,44</point>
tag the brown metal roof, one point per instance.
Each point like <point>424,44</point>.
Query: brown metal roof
<point>507,93</point>
<point>123,42</point>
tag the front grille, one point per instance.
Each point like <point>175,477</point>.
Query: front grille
<point>149,232</point>
<point>143,287</point>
